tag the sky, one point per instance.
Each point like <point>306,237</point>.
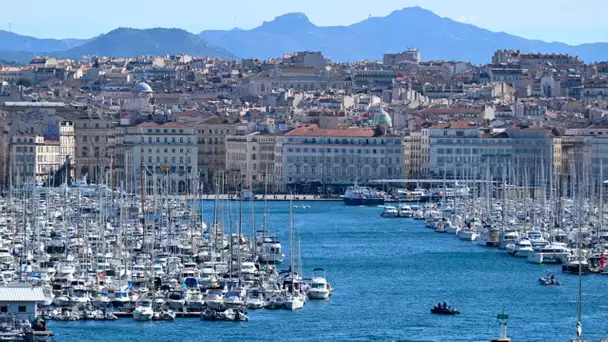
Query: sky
<point>549,20</point>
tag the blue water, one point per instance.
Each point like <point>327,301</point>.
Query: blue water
<point>387,274</point>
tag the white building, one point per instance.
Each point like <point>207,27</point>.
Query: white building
<point>340,157</point>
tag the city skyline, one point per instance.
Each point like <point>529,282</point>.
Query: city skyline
<point>539,20</point>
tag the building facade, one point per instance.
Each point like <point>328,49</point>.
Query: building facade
<point>168,153</point>
<point>331,159</point>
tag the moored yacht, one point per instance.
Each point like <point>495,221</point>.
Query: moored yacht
<point>489,237</point>
<point>319,287</point>
<point>508,237</point>
<point>467,234</point>
<point>143,311</point>
<point>551,254</point>
<point>389,211</point>
<point>520,249</point>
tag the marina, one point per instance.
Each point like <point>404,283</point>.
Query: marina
<point>388,267</point>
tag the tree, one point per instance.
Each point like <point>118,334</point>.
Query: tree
<point>24,82</point>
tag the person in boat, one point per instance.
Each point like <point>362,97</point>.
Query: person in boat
<point>438,306</point>
<point>445,306</point>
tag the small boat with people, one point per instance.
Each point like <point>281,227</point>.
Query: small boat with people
<point>444,309</point>
<point>549,280</point>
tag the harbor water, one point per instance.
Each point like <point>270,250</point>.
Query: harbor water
<point>387,275</point>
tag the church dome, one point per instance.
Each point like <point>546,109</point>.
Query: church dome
<point>142,87</point>
<point>381,117</point>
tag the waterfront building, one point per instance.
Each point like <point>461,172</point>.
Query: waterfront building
<point>254,162</point>
<point>336,158</point>
<point>21,301</point>
<point>211,136</point>
<point>167,151</point>
<point>416,156</point>
<point>94,146</point>
<point>33,158</point>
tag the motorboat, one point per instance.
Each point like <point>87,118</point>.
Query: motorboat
<point>268,249</point>
<point>549,280</point>
<point>254,300</point>
<point>508,237</point>
<point>319,287</point>
<point>176,300</point>
<point>551,254</point>
<point>215,299</point>
<point>489,237</point>
<point>358,195</point>
<point>233,299</point>
<point>405,211</point>
<point>467,234</point>
<point>194,299</point>
<point>574,264</point>
<point>389,211</point>
<point>143,311</point>
<point>520,249</point>
<point>444,310</point>
<point>235,315</point>
<point>100,300</point>
<point>121,300</point>
<point>448,226</point>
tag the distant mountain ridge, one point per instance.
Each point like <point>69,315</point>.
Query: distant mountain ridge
<point>122,42</point>
<point>157,41</point>
<point>10,41</point>
<point>438,39</point>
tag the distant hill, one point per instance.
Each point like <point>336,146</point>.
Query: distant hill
<point>156,41</point>
<point>437,38</point>
<point>16,57</point>
<point>15,42</point>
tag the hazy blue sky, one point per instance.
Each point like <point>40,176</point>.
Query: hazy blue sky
<point>551,20</point>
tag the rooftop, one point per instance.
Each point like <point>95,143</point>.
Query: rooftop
<point>315,131</point>
<point>21,293</point>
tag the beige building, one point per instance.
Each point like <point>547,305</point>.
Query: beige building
<point>33,158</point>
<point>94,147</point>
<point>211,140</point>
<point>255,162</point>
<point>168,153</point>
<point>415,157</point>
<point>323,158</point>
<point>67,142</point>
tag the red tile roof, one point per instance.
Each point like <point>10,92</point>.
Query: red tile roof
<point>315,131</point>
<point>450,111</point>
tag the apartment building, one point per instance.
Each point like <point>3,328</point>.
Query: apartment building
<point>33,158</point>
<point>211,140</point>
<point>254,162</point>
<point>336,158</point>
<point>94,147</point>
<point>168,153</point>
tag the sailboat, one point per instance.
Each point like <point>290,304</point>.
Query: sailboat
<point>294,297</point>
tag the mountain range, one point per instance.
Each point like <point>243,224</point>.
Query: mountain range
<point>437,37</point>
<point>120,42</point>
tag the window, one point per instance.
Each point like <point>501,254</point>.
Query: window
<point>22,308</point>
<point>4,309</point>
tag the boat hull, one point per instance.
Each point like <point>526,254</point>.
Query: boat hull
<point>363,201</point>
